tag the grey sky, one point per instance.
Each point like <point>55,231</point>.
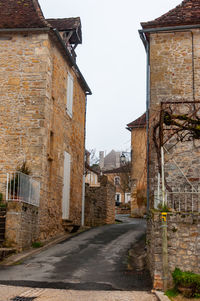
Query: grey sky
<point>113,62</point>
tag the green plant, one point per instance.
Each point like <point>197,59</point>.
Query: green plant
<point>163,207</point>
<point>37,244</point>
<point>187,280</point>
<point>172,292</point>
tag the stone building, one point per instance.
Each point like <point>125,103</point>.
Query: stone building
<point>173,162</point>
<point>120,178</point>
<point>138,166</point>
<point>109,161</point>
<point>42,112</point>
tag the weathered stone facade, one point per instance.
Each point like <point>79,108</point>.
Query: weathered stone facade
<point>139,172</point>
<point>174,67</point>
<point>100,204</point>
<point>174,77</point>
<point>183,245</point>
<point>35,126</point>
<point>21,225</point>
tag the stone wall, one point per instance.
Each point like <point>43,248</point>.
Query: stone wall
<point>35,126</point>
<point>100,204</point>
<point>21,225</point>
<point>174,61</point>
<point>138,172</point>
<point>183,245</point>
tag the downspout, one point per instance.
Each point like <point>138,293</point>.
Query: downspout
<point>83,188</point>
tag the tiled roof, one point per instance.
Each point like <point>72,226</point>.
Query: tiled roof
<point>122,169</point>
<point>66,23</point>
<point>187,13</point>
<point>138,123</point>
<point>69,24</point>
<point>21,14</point>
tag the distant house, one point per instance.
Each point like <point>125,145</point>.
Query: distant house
<point>112,160</point>
<point>120,177</point>
<point>92,176</point>
<point>138,161</point>
<point>42,117</point>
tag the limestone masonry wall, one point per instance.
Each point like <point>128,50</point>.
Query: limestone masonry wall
<point>174,61</point>
<point>21,225</point>
<point>183,245</point>
<point>138,172</point>
<point>100,204</point>
<point>35,125</point>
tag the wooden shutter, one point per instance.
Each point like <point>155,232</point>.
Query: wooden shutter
<point>70,90</point>
<point>66,186</point>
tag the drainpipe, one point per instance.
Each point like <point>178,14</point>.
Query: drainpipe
<point>83,188</point>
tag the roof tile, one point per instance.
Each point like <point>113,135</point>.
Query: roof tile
<point>21,14</point>
<point>186,13</point>
<point>138,123</point>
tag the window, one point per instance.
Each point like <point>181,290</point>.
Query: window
<point>118,197</point>
<point>70,88</point>
<point>117,180</point>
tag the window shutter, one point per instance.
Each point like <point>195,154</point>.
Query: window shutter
<point>70,88</point>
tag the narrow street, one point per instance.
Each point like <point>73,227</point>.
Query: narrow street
<point>95,260</point>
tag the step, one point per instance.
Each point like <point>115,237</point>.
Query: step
<point>66,221</point>
<point>2,213</point>
<point>71,228</point>
<point>5,252</point>
<point>2,236</point>
<point>2,230</point>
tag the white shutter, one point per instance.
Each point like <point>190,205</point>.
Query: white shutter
<point>66,186</point>
<point>70,90</point>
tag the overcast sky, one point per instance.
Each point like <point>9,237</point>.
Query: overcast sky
<point>113,61</point>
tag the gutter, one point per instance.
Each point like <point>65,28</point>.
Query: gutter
<point>25,29</point>
<point>67,53</point>
<point>168,28</point>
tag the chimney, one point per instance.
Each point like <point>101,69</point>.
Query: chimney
<point>101,159</point>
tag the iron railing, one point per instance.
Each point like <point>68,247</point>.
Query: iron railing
<point>182,198</point>
<point>21,187</point>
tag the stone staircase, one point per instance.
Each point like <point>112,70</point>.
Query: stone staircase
<point>69,226</point>
<point>2,225</point>
<point>4,252</point>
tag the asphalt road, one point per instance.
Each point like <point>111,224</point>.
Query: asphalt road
<point>93,260</point>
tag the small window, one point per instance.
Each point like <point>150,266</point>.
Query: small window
<point>70,88</point>
<point>117,180</point>
<point>118,197</point>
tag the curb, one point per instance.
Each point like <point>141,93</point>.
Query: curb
<point>160,296</point>
<point>16,258</point>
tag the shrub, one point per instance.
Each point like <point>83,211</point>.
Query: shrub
<point>37,244</point>
<point>187,280</point>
